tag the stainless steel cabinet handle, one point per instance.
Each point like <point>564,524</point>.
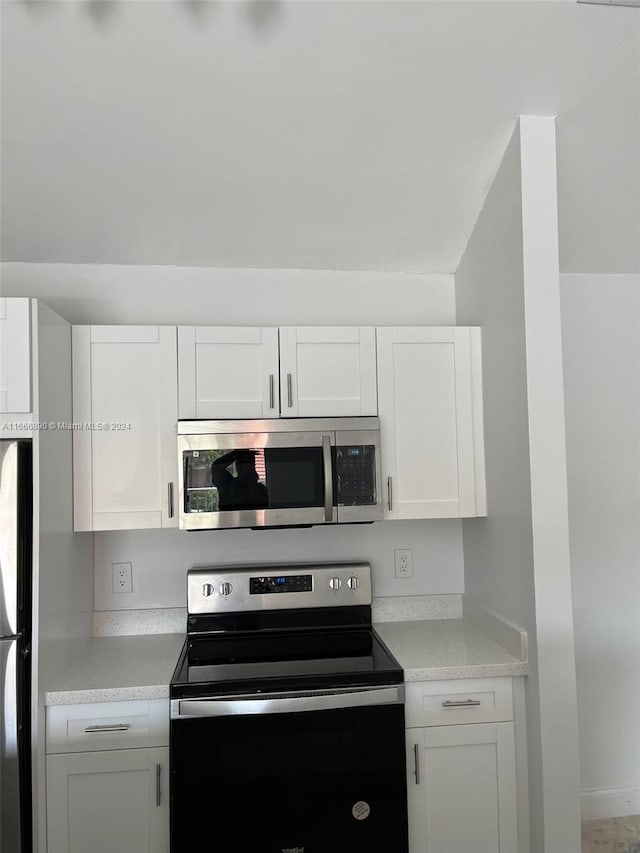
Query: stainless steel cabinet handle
<point>271,396</point>
<point>290,390</point>
<point>416,762</point>
<point>170,500</point>
<point>390,492</point>
<point>108,727</point>
<point>461,703</point>
<point>158,784</point>
<point>328,477</point>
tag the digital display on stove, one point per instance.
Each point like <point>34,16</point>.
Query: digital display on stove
<point>292,583</point>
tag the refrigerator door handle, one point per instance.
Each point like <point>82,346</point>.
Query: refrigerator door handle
<point>11,746</point>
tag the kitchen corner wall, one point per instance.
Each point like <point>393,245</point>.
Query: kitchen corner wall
<point>89,293</point>
<point>517,560</point>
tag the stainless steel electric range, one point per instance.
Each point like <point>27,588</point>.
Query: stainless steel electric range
<point>287,716</point>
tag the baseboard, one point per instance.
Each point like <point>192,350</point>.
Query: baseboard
<point>602,803</point>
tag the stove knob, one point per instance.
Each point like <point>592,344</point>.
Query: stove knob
<point>226,588</point>
<point>353,582</point>
<point>335,583</point>
<point>208,589</point>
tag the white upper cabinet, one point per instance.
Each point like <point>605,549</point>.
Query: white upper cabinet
<point>243,372</point>
<point>328,371</point>
<point>228,372</point>
<point>15,356</point>
<point>125,410</point>
<point>430,405</point>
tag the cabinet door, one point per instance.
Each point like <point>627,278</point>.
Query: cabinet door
<point>327,371</point>
<point>228,372</point>
<point>463,795</point>
<point>15,356</point>
<point>125,412</point>
<point>430,401</point>
<point>108,802</point>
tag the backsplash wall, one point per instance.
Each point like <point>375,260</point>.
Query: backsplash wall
<point>160,558</point>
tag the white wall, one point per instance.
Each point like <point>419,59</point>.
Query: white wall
<point>517,560</point>
<point>109,293</point>
<point>498,549</point>
<point>161,558</point>
<point>63,582</point>
<point>601,344</point>
<point>307,134</point>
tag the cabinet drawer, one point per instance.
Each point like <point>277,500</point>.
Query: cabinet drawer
<point>468,700</point>
<point>107,725</point>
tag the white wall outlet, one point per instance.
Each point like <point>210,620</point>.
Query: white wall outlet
<point>404,562</point>
<point>121,577</point>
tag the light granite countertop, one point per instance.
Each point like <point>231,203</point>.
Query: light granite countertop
<point>434,649</point>
<point>120,668</point>
<point>112,669</point>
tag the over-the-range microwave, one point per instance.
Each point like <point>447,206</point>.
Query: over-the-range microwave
<point>280,472</point>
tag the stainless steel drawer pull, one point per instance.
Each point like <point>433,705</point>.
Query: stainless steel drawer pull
<point>416,762</point>
<point>271,394</point>
<point>170,500</point>
<point>158,784</point>
<point>461,703</point>
<point>390,492</point>
<point>108,727</point>
<point>290,390</point>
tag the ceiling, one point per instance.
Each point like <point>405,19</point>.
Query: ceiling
<point>334,135</point>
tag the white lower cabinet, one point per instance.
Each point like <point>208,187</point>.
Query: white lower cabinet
<point>461,778</point>
<point>108,802</point>
<point>102,798</point>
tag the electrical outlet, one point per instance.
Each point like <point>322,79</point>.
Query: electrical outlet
<point>121,577</point>
<point>404,562</point>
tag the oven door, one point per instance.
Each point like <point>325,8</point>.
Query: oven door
<point>256,479</point>
<point>308,773</point>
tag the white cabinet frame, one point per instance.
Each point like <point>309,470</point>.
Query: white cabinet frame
<point>444,373</point>
<point>15,355</point>
<point>227,372</point>
<point>461,784</point>
<point>145,830</point>
<point>161,510</point>
<point>237,372</point>
<point>328,371</point>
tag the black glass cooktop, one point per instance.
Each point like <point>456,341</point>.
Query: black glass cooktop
<point>275,661</point>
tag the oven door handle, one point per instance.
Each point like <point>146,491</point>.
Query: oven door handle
<point>282,703</point>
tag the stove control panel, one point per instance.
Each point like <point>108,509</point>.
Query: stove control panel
<point>266,585</point>
<point>272,587</point>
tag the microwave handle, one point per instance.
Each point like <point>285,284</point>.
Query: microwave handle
<point>328,478</point>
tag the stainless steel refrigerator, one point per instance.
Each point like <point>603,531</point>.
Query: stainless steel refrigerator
<point>16,533</point>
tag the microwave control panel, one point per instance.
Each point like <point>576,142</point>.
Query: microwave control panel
<point>355,475</point>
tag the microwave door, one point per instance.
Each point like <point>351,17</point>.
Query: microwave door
<point>266,479</point>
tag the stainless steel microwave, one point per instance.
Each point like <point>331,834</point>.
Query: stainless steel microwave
<point>280,472</point>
